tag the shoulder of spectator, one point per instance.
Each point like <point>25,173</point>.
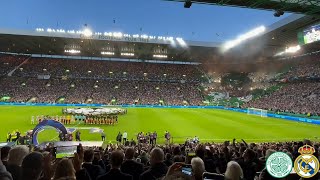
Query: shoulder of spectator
<point>4,174</point>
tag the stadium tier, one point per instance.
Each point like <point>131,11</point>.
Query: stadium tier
<point>100,82</point>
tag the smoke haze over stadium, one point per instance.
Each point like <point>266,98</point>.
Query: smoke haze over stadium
<point>153,17</point>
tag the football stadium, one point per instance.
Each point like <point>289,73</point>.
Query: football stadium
<point>160,90</point>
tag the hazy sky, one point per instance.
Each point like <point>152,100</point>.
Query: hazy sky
<point>152,17</point>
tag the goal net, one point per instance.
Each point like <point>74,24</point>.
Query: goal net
<point>257,112</point>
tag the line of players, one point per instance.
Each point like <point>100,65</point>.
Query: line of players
<point>62,119</point>
<point>77,119</point>
<point>108,120</point>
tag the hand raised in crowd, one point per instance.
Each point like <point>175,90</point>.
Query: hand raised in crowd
<point>78,159</point>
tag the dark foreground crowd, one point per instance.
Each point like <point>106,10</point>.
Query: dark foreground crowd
<point>229,160</point>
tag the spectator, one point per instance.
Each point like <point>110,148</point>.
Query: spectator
<point>168,160</point>
<point>16,156</point>
<point>116,160</point>
<point>4,174</point>
<point>32,166</point>
<point>234,171</point>
<point>93,170</point>
<point>124,137</point>
<point>158,169</point>
<point>248,165</point>
<point>130,166</point>
<point>64,170</point>
<point>197,168</point>
<point>144,158</point>
<point>4,155</point>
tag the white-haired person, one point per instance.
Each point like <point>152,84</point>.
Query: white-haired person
<point>15,158</point>
<point>198,168</point>
<point>233,171</point>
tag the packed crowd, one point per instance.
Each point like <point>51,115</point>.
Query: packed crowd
<point>8,63</point>
<point>107,69</point>
<point>106,82</point>
<point>301,98</point>
<point>99,91</point>
<point>261,77</point>
<point>229,160</point>
<point>308,67</point>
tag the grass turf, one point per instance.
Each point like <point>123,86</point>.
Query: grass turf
<point>209,124</point>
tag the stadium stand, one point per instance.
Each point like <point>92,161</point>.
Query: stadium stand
<point>108,70</point>
<point>8,63</point>
<point>299,92</point>
<point>86,81</point>
<point>162,161</point>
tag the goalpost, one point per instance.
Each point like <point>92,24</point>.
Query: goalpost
<point>257,112</point>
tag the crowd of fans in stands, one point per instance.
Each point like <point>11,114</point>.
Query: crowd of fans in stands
<point>299,94</point>
<point>107,69</point>
<point>302,98</point>
<point>308,67</point>
<point>100,91</point>
<point>8,63</point>
<point>232,161</point>
<point>88,81</point>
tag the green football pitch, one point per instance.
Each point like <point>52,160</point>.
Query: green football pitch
<point>210,125</point>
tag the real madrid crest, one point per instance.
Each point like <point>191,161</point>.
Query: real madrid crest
<point>306,165</point>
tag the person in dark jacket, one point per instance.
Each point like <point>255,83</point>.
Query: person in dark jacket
<point>5,154</point>
<point>248,165</point>
<point>158,169</point>
<point>93,170</point>
<point>130,166</point>
<point>116,160</point>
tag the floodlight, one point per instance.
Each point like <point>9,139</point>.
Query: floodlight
<point>293,49</point>
<point>117,34</point>
<point>173,43</point>
<point>144,36</point>
<point>72,51</point>
<point>181,42</point>
<point>160,56</point>
<point>107,53</point>
<point>289,50</point>
<point>127,54</point>
<point>240,39</point>
<point>87,32</point>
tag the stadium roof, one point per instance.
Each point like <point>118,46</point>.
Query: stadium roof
<point>307,7</point>
<point>277,36</point>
